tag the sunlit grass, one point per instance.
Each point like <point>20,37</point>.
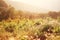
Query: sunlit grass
<point>27,29</point>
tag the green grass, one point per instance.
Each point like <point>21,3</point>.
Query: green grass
<point>27,29</point>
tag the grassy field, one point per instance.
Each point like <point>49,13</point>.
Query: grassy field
<point>25,25</point>
<point>30,29</point>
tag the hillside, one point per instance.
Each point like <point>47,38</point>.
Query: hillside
<point>25,25</point>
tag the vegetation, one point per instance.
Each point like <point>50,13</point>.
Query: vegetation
<point>19,25</point>
<point>27,29</point>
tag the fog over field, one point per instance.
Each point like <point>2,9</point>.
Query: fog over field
<point>35,5</point>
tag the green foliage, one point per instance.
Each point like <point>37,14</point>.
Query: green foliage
<point>27,27</point>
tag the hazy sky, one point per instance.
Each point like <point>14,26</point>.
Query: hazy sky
<point>36,5</point>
